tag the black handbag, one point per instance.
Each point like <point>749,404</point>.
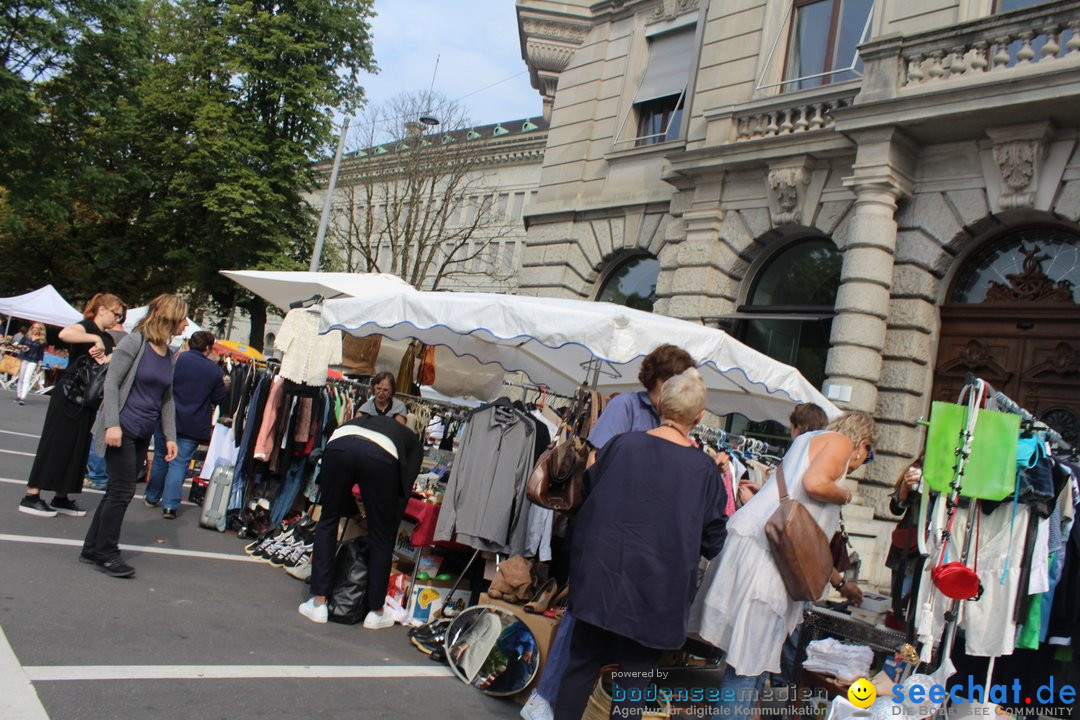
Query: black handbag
<point>85,385</point>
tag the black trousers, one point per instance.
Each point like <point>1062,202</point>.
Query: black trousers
<point>122,464</point>
<point>352,461</point>
<point>591,648</point>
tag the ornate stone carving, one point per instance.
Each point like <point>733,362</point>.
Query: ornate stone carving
<point>671,9</point>
<point>552,30</point>
<point>548,56</point>
<point>975,355</point>
<point>1018,152</point>
<point>787,185</point>
<point>1031,285</point>
<point>1065,360</point>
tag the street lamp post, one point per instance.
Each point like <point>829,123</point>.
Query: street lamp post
<point>324,220</point>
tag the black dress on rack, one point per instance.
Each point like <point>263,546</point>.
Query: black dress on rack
<point>60,460</point>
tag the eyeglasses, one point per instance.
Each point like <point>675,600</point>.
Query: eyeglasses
<point>869,453</point>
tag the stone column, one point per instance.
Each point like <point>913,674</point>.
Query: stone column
<point>882,175</point>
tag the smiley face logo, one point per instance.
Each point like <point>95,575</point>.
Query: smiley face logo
<point>861,693</point>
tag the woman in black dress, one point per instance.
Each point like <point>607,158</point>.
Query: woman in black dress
<point>65,437</point>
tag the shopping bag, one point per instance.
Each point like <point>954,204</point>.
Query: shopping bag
<point>347,603</point>
<point>990,471</point>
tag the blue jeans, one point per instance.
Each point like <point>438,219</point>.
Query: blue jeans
<point>95,466</point>
<point>290,488</point>
<point>167,478</point>
<point>739,693</point>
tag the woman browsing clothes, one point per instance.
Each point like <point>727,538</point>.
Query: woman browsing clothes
<point>742,606</point>
<point>654,504</point>
<point>198,386</point>
<point>382,400</point>
<point>138,395</point>
<point>65,436</point>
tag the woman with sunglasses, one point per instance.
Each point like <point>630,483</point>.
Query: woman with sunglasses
<point>742,606</point>
<point>65,436</point>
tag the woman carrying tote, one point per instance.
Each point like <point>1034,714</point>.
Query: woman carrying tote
<point>742,606</point>
<point>65,436</point>
<point>138,394</point>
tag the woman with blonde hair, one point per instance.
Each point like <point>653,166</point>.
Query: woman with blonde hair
<point>65,436</point>
<point>33,352</point>
<point>138,395</point>
<point>742,606</point>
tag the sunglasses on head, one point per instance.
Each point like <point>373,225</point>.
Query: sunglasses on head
<point>869,453</point>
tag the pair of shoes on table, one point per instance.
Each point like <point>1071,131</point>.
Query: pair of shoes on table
<point>114,567</point>
<point>36,505</point>
<point>313,612</point>
<point>378,620</point>
<point>168,514</point>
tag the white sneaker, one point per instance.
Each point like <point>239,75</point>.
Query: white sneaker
<point>302,569</point>
<point>378,620</point>
<point>313,612</point>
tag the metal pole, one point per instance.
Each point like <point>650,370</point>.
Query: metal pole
<point>324,221</point>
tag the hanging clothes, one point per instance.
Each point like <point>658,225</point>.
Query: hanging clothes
<point>307,354</point>
<point>358,355</point>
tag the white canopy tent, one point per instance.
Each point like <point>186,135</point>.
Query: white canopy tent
<point>44,305</point>
<point>460,377</point>
<point>559,342</point>
<point>134,315</point>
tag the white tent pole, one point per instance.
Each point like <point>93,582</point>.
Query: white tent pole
<point>324,221</point>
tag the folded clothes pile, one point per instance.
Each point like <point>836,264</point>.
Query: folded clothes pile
<point>842,661</point>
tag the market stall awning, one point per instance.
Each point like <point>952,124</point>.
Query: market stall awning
<point>44,305</point>
<point>558,341</point>
<point>134,315</point>
<point>279,287</point>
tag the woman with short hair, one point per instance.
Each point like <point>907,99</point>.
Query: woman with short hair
<point>138,395</point>
<point>742,606</point>
<point>654,503</point>
<point>65,437</point>
<point>198,385</point>
<point>382,400</point>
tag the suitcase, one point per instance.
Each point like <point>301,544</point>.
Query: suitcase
<point>216,503</point>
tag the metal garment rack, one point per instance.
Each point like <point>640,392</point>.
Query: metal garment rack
<point>739,443</point>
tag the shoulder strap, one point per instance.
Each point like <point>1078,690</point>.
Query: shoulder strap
<point>781,485</point>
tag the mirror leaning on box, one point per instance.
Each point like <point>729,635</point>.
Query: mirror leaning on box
<point>490,649</point>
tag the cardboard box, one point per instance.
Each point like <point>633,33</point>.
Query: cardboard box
<point>543,629</point>
<point>430,596</point>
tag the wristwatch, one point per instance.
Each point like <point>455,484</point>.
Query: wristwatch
<point>842,583</point>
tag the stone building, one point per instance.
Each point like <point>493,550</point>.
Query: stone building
<point>883,193</point>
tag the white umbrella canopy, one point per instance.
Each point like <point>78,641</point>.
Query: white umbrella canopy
<point>279,287</point>
<point>134,315</point>
<point>555,341</point>
<point>44,305</point>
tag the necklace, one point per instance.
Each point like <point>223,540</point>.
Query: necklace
<point>673,426</point>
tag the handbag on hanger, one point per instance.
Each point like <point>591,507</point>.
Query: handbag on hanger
<point>955,579</point>
<point>989,473</point>
<point>557,477</point>
<point>799,546</point>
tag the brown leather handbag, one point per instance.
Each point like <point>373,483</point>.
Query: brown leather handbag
<point>799,546</point>
<point>556,480</point>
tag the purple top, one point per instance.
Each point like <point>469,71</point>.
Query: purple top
<point>628,412</point>
<point>153,377</point>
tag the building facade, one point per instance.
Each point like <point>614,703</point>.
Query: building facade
<point>883,193</point>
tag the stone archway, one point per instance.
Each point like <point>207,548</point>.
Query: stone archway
<point>1012,317</point>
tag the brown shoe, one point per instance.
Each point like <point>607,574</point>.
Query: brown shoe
<point>543,598</point>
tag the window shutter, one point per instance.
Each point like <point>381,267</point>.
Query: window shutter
<point>670,55</point>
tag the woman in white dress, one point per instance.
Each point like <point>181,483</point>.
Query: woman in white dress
<point>742,606</point>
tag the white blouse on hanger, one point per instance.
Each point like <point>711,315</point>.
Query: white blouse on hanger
<point>307,354</point>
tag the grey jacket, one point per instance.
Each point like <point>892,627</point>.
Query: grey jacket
<point>118,381</point>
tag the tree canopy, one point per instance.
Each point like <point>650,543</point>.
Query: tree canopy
<point>156,142</point>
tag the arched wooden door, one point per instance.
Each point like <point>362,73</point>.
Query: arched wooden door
<point>1013,319</point>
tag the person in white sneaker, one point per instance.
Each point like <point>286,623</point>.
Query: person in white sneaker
<point>383,457</point>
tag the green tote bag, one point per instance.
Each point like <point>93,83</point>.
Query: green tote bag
<point>990,471</point>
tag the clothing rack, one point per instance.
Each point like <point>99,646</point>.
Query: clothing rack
<point>1011,406</point>
<point>538,388</point>
<point>434,403</point>
<point>738,443</point>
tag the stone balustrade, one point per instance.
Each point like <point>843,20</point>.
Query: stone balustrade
<point>1041,34</point>
<point>787,116</point>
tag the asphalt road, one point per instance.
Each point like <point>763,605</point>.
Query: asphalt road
<point>83,646</point>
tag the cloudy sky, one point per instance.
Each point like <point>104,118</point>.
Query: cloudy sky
<point>476,41</point>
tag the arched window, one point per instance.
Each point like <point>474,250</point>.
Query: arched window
<point>632,283</point>
<point>790,307</point>
<point>1036,264</point>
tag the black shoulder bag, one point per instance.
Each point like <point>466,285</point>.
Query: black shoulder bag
<point>85,385</point>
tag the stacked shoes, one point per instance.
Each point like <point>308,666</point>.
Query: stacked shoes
<point>287,546</point>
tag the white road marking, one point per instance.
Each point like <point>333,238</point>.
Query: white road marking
<point>12,432</point>
<point>45,673</point>
<point>92,491</point>
<point>16,452</point>
<point>18,699</point>
<point>137,548</point>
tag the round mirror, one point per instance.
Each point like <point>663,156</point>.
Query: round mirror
<point>492,650</point>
